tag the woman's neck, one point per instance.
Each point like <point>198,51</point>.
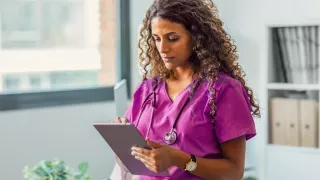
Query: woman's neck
<point>183,74</point>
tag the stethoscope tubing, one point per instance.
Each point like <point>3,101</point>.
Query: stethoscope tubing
<point>171,133</point>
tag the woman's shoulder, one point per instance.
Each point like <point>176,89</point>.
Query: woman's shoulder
<point>229,86</point>
<point>146,85</point>
<point>224,83</point>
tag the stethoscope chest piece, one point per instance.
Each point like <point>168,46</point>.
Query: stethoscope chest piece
<point>170,137</point>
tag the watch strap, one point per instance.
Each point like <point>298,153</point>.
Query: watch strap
<point>193,158</point>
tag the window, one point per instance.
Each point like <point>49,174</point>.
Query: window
<point>73,41</point>
<point>11,83</point>
<point>62,45</point>
<point>35,82</point>
<point>43,23</point>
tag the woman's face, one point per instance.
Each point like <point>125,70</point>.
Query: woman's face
<point>173,42</point>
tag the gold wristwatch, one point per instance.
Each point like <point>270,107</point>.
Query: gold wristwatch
<point>192,164</point>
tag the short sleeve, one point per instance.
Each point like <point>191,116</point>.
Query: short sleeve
<point>233,116</point>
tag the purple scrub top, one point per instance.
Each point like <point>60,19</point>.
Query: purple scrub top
<point>198,133</point>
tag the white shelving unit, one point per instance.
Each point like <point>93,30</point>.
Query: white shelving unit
<point>277,148</point>
<point>281,162</point>
<point>294,87</point>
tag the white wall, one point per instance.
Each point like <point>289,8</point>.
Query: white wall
<point>28,136</point>
<point>247,22</point>
<point>137,12</point>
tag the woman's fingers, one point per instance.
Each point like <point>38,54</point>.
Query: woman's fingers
<point>146,161</point>
<point>120,120</point>
<point>146,158</point>
<point>123,120</point>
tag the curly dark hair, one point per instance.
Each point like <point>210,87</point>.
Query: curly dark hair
<point>213,50</point>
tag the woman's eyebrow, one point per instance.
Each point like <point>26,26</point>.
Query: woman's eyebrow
<point>170,33</point>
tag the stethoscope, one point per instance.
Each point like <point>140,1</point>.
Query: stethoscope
<point>170,137</point>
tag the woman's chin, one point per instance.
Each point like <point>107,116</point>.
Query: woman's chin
<point>169,66</point>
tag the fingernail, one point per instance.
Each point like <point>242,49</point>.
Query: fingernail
<point>133,148</point>
<point>132,153</point>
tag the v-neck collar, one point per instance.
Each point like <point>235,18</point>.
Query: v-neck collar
<point>180,93</point>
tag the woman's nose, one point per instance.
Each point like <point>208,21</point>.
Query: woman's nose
<point>164,47</point>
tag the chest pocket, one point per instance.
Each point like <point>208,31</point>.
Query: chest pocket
<point>194,125</point>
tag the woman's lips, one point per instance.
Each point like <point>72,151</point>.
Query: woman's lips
<point>167,58</point>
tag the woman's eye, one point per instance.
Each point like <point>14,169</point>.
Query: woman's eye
<point>157,39</point>
<point>173,39</point>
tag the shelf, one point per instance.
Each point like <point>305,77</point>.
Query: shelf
<point>295,63</point>
<point>297,87</point>
<point>287,149</point>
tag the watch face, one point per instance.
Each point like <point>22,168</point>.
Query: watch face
<point>191,166</point>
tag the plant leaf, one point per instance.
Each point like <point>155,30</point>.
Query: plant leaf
<point>58,162</point>
<point>40,172</point>
<point>78,175</point>
<point>60,168</point>
<point>46,166</point>
<point>83,167</point>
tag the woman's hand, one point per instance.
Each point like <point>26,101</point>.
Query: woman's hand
<point>158,159</point>
<point>120,120</point>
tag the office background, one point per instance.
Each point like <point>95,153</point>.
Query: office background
<point>64,130</point>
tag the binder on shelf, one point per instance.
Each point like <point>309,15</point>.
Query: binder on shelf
<point>309,123</point>
<point>291,44</point>
<point>305,72</point>
<point>277,127</point>
<point>292,134</point>
<point>297,49</point>
<point>309,61</point>
<point>284,121</point>
<point>314,50</point>
<point>284,54</point>
<point>297,64</point>
<point>278,55</point>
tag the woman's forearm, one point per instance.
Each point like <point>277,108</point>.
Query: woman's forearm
<point>213,169</point>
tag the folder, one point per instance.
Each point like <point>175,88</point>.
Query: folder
<point>292,126</point>
<point>309,123</point>
<point>284,121</point>
<point>277,126</point>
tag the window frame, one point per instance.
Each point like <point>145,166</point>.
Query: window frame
<point>53,98</point>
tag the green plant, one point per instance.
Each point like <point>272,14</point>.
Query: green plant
<point>56,170</point>
<point>249,178</point>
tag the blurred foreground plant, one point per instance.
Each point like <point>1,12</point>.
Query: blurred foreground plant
<point>249,178</point>
<point>56,170</point>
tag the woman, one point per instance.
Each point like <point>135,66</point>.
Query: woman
<point>193,106</point>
